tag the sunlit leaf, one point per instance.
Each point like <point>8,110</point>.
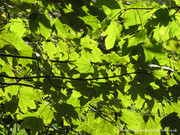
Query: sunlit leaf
<point>132,119</point>
<point>17,26</point>
<point>46,113</point>
<point>44,25</point>
<point>50,49</point>
<point>111,33</point>
<point>84,65</point>
<point>9,38</point>
<point>26,96</point>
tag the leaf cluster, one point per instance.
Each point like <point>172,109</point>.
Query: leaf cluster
<point>89,67</point>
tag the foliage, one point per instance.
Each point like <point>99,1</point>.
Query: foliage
<point>89,67</point>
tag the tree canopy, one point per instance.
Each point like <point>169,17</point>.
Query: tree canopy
<point>100,67</point>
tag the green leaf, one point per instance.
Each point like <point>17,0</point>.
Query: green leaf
<point>7,69</point>
<point>94,23</point>
<point>126,100</point>
<point>87,42</point>
<point>174,28</point>
<point>17,26</point>
<point>112,58</point>
<point>12,105</point>
<point>111,32</point>
<point>34,123</point>
<point>26,96</point>
<point>155,50</point>
<point>111,5</point>
<point>91,55</point>
<point>97,126</point>
<point>74,99</point>
<point>65,110</point>
<point>132,119</point>
<point>11,91</point>
<point>153,125</point>
<point>162,16</point>
<point>50,49</point>
<point>106,128</point>
<point>46,113</point>
<point>84,65</point>
<point>157,35</point>
<point>44,25</point>
<point>131,18</point>
<point>62,30</point>
<point>141,36</point>
<point>157,106</point>
<point>160,73</point>
<point>172,45</point>
<point>139,102</point>
<point>172,82</point>
<point>44,31</point>
<point>22,132</point>
<point>132,42</point>
<point>176,107</point>
<point>168,109</point>
<point>9,38</point>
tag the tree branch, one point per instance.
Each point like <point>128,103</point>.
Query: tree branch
<point>21,84</point>
<point>70,78</point>
<point>65,61</point>
<point>27,57</point>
